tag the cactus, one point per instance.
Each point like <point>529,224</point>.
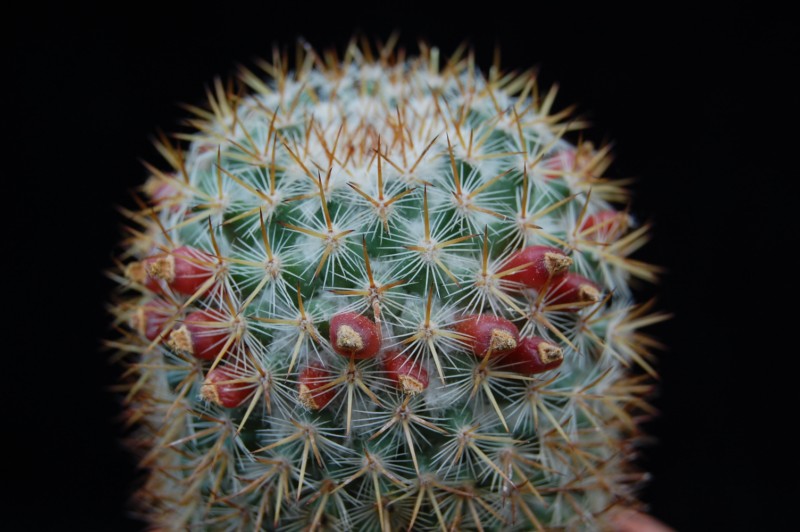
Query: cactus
<point>383,293</point>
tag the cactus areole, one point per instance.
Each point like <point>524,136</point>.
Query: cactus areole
<point>383,292</point>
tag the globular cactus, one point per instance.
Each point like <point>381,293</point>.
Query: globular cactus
<point>383,293</point>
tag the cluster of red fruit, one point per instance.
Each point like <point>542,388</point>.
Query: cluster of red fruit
<point>206,334</point>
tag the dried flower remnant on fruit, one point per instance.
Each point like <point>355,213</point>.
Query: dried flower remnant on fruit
<point>405,373</point>
<point>574,291</point>
<point>539,265</point>
<point>152,318</point>
<point>225,388</point>
<point>534,355</point>
<point>355,335</point>
<point>488,334</point>
<point>203,334</point>
<point>185,270</point>
<point>314,387</point>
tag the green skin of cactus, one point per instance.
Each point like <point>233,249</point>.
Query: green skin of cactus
<point>385,151</point>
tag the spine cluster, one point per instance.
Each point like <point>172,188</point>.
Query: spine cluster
<point>383,293</point>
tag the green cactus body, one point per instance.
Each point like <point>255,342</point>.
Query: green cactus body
<point>406,197</point>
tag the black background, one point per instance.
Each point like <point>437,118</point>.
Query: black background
<point>702,112</point>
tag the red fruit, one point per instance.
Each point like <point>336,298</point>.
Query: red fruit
<point>149,319</point>
<point>203,334</point>
<point>225,388</point>
<point>534,355</point>
<point>574,288</point>
<point>354,334</point>
<point>570,160</point>
<point>543,263</point>
<point>560,163</point>
<point>163,192</point>
<point>185,269</point>
<point>603,226</point>
<point>405,373</point>
<point>488,332</point>
<point>312,379</point>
